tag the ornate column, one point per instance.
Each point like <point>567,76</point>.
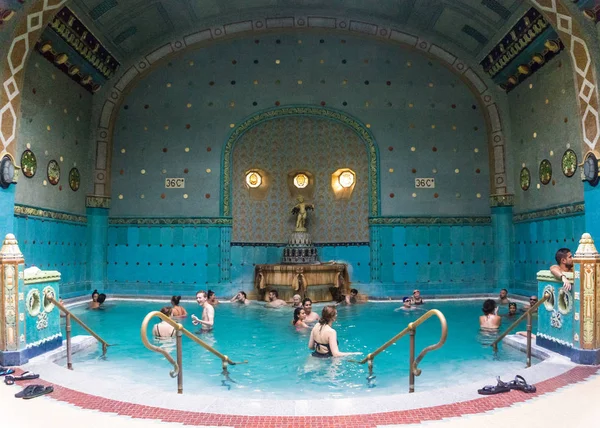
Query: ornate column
<point>586,289</point>
<point>97,209</point>
<point>225,254</point>
<point>502,229</point>
<point>12,319</point>
<point>375,244</point>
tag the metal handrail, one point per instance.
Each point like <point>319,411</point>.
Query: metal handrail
<point>68,317</point>
<point>414,370</point>
<point>180,330</point>
<point>527,314</point>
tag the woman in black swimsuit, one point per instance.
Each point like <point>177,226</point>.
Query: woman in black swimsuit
<point>323,338</point>
<point>163,329</point>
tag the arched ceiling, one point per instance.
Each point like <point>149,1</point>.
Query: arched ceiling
<point>131,27</point>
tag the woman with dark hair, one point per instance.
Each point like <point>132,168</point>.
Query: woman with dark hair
<point>212,298</point>
<point>299,317</point>
<point>177,311</point>
<point>323,338</point>
<point>163,329</point>
<point>490,319</point>
<point>94,303</point>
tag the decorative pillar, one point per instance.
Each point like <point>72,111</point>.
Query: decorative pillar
<point>97,209</point>
<point>502,229</point>
<point>12,320</point>
<point>375,244</point>
<point>225,254</point>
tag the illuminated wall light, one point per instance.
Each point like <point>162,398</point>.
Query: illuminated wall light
<point>535,135</point>
<point>277,61</point>
<point>253,179</point>
<point>120,196</point>
<point>143,171</point>
<point>208,170</point>
<point>300,180</point>
<point>346,179</point>
<point>391,169</point>
<point>123,150</point>
<point>189,105</point>
<point>185,196</point>
<point>456,171</point>
<point>476,150</point>
<point>45,47</point>
<point>412,149</point>
<point>232,125</point>
<point>414,195</point>
<point>478,195</point>
<point>551,152</point>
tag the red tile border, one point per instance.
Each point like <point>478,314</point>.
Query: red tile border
<point>479,405</point>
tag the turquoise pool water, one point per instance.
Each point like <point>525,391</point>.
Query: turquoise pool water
<point>279,362</point>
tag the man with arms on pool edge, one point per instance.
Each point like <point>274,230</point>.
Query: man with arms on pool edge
<point>274,300</point>
<point>208,312</point>
<point>564,258</point>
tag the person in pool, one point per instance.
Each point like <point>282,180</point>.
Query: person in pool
<point>99,301</point>
<point>297,301</point>
<point>323,338</point>
<point>240,298</point>
<point>94,303</point>
<point>490,319</point>
<point>212,298</point>
<point>274,300</point>
<point>406,305</point>
<point>208,312</point>
<point>512,310</point>
<point>177,311</point>
<point>299,317</point>
<point>311,316</point>
<point>503,297</point>
<point>163,329</point>
<point>416,298</point>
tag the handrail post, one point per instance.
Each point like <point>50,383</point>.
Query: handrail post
<point>68,330</point>
<point>179,363</point>
<point>411,373</point>
<point>528,339</point>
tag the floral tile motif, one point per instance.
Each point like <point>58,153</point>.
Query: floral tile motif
<point>569,163</point>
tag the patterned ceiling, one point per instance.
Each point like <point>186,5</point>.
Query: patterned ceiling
<point>130,27</point>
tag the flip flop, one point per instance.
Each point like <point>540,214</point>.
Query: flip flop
<point>4,371</point>
<point>37,391</point>
<point>521,384</point>
<point>492,390</point>
<point>10,380</point>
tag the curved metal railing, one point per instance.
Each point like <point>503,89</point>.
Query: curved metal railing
<point>511,327</point>
<point>180,331</point>
<point>69,316</point>
<point>411,329</point>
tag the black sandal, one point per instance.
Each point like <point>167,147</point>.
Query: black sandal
<point>10,380</point>
<point>497,389</point>
<point>520,384</point>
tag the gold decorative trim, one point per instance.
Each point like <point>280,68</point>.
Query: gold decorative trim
<point>97,201</point>
<point>426,221</point>
<point>26,211</point>
<point>205,221</point>
<point>506,200</point>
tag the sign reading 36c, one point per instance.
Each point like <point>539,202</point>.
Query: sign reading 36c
<point>425,183</point>
<point>174,183</point>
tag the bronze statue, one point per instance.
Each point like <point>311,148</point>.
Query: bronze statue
<point>300,210</point>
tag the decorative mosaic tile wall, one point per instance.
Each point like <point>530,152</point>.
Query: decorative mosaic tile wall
<point>55,125</point>
<point>536,240</point>
<point>544,126</point>
<point>53,244</point>
<point>318,146</point>
<point>424,119</point>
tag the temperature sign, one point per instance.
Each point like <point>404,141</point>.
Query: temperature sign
<point>425,183</point>
<point>174,183</point>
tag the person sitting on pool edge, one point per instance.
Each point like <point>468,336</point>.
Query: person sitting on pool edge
<point>490,319</point>
<point>208,312</point>
<point>177,311</point>
<point>212,298</point>
<point>240,298</point>
<point>564,260</point>
<point>416,298</point>
<point>323,338</point>
<point>274,300</point>
<point>311,316</point>
<point>299,317</point>
<point>163,329</point>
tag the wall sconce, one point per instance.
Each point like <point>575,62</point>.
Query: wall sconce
<point>45,47</point>
<point>343,182</point>
<point>552,45</point>
<point>253,179</point>
<point>6,15</point>
<point>300,180</point>
<point>61,58</point>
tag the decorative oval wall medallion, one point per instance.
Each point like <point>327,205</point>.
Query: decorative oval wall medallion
<point>525,178</point>
<point>545,171</point>
<point>549,304</point>
<point>48,292</point>
<point>565,302</point>
<point>569,163</point>
<point>33,302</point>
<point>74,179</point>
<point>28,163</point>
<point>53,172</point>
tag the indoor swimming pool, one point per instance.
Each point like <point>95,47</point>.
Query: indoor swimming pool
<point>279,363</point>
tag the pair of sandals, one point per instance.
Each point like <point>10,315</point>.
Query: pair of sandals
<point>10,380</point>
<point>519,383</point>
<point>5,371</point>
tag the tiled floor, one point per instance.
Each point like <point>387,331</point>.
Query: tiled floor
<point>69,408</point>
